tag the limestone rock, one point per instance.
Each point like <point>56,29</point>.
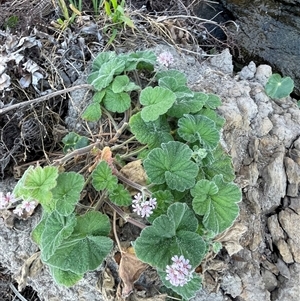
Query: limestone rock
<point>278,238</point>
<point>290,222</point>
<point>275,182</point>
<point>293,176</point>
<point>263,72</point>
<point>248,72</point>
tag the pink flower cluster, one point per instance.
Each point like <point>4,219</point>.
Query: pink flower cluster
<point>9,199</point>
<point>6,200</point>
<point>165,58</point>
<point>179,273</point>
<point>143,207</point>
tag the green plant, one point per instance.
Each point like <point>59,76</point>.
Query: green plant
<point>116,12</point>
<point>189,197</point>
<point>279,87</point>
<point>75,6</point>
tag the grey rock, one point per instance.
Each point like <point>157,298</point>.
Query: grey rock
<point>232,285</point>
<point>275,182</point>
<point>290,289</point>
<point>223,62</point>
<point>263,72</point>
<point>248,72</point>
<point>278,238</point>
<point>269,279</point>
<point>290,222</point>
<point>293,176</point>
<point>283,269</point>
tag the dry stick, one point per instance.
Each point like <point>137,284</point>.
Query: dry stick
<point>125,216</point>
<point>43,98</point>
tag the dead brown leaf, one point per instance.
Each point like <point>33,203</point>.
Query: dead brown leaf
<point>31,267</point>
<point>231,238</point>
<point>107,285</point>
<point>130,270</point>
<point>135,172</point>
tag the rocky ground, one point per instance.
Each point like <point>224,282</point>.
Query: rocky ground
<point>260,259</point>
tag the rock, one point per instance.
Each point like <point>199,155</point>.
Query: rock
<point>283,269</point>
<point>290,222</point>
<point>293,176</point>
<point>232,285</point>
<point>278,238</point>
<point>269,279</point>
<point>291,287</point>
<point>275,182</point>
<point>248,72</point>
<point>253,287</point>
<point>263,72</point>
<point>223,62</point>
<point>269,35</point>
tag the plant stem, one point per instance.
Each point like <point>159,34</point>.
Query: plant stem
<point>125,216</point>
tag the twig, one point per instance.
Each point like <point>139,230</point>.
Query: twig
<point>77,152</point>
<point>115,231</point>
<point>16,292</point>
<point>125,216</point>
<point>43,98</point>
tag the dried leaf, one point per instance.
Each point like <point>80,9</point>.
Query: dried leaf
<point>107,285</point>
<point>230,238</point>
<point>31,267</point>
<point>135,172</point>
<point>130,270</point>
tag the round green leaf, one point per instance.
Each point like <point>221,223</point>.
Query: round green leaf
<point>120,196</point>
<point>116,102</point>
<point>153,133</point>
<point>92,112</point>
<point>172,164</point>
<point>66,278</point>
<point>171,234</point>
<point>157,101</point>
<point>67,192</point>
<point>199,127</point>
<point>217,201</point>
<point>86,248</point>
<point>278,87</point>
<point>102,177</point>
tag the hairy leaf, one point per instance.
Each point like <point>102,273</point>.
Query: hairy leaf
<point>152,133</point>
<point>187,105</point>
<point>67,192</point>
<point>116,102</point>
<point>278,87</point>
<point>120,196</point>
<point>87,247</point>
<point>57,229</point>
<point>157,101</point>
<point>102,177</point>
<point>179,76</point>
<point>66,278</point>
<point>92,112</point>
<point>172,164</point>
<point>217,201</point>
<point>171,234</point>
<point>198,127</point>
<point>36,184</point>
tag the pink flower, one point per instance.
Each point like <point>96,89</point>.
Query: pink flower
<point>179,273</point>
<point>6,200</point>
<point>165,59</point>
<point>28,206</point>
<point>142,207</point>
<point>18,210</point>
